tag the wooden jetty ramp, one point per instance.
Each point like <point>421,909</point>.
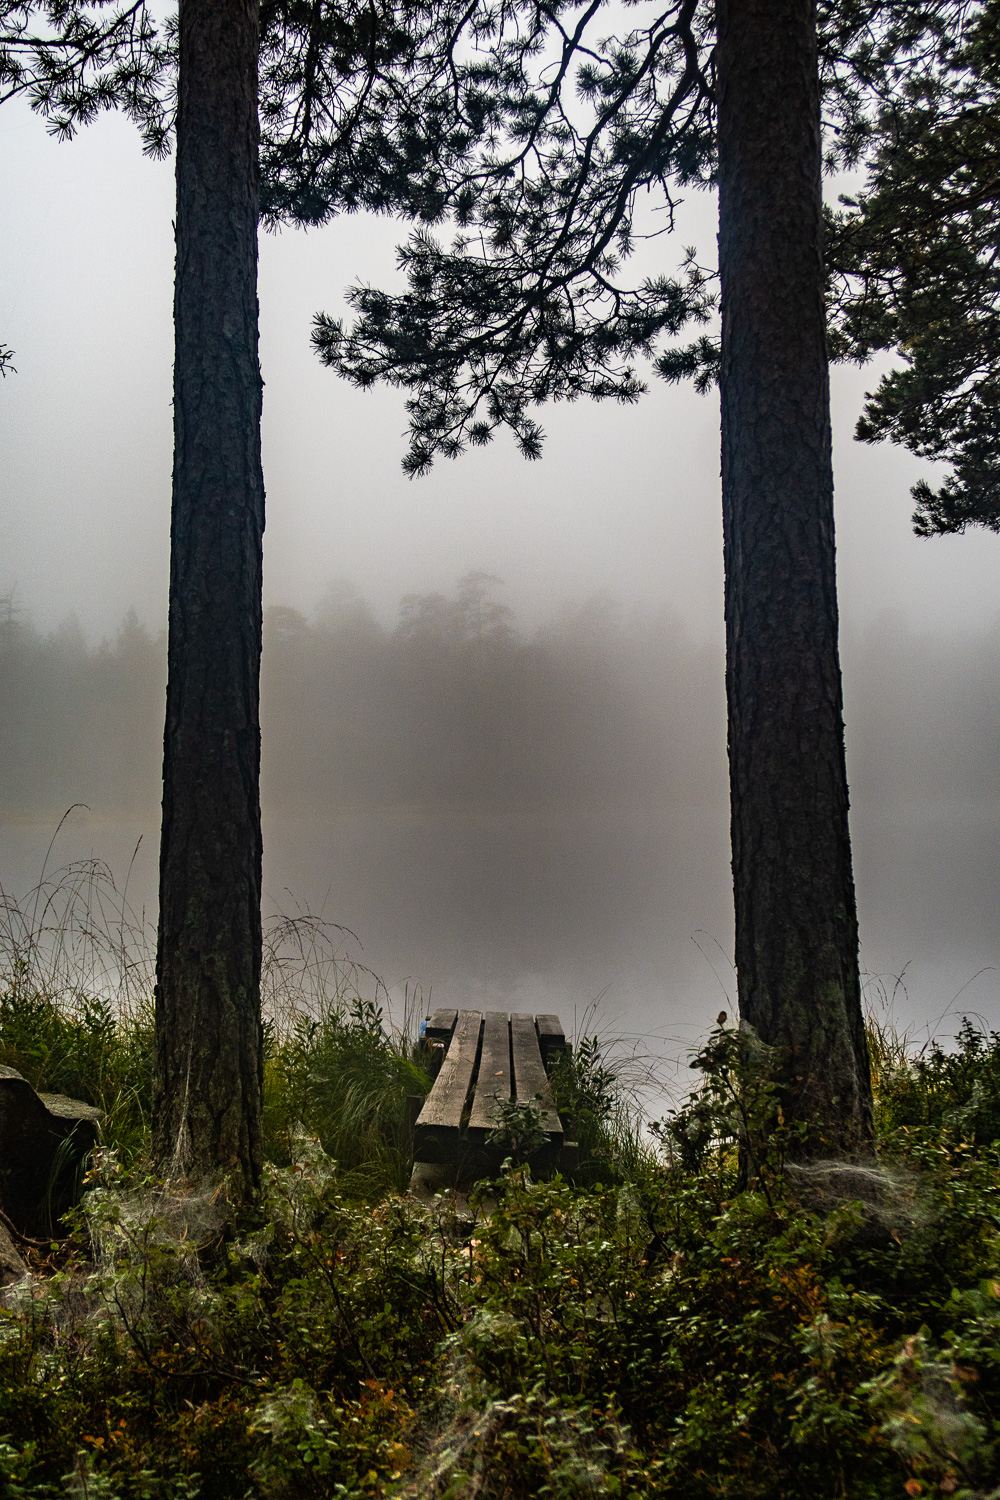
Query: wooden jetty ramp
<point>488,1061</point>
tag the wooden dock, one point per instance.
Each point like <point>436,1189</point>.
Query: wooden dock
<point>488,1061</point>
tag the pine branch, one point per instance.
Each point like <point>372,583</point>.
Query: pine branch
<point>529,302</point>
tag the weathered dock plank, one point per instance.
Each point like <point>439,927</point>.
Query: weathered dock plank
<point>551,1037</point>
<point>440,1025</point>
<point>445,1103</point>
<point>531,1081</point>
<point>493,1083</point>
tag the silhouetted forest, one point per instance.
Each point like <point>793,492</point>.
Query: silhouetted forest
<point>458,705</point>
<point>454,704</point>
<point>80,723</point>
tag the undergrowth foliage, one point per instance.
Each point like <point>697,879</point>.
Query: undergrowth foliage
<point>699,1315</point>
<point>76,1018</point>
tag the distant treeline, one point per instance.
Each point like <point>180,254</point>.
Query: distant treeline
<point>457,705</point>
<point>79,723</point>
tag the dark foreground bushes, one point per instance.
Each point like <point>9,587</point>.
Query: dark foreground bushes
<point>703,1321</point>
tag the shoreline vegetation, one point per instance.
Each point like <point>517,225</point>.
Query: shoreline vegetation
<point>694,1315</point>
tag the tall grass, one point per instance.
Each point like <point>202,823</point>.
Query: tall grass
<point>952,1088</point>
<point>76,1018</point>
<point>346,1078</point>
<point>76,979</point>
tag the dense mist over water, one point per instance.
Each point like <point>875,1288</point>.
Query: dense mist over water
<point>534,817</point>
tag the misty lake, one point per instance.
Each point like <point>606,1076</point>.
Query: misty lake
<point>535,820</point>
<point>555,910</point>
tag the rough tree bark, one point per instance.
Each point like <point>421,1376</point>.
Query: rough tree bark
<point>796,922</point>
<point>208,1031</point>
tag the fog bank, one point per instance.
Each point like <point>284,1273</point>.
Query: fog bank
<point>529,817</point>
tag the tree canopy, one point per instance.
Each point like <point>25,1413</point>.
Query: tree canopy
<point>913,263</point>
<point>379,107</point>
<point>569,131</point>
<point>353,98</point>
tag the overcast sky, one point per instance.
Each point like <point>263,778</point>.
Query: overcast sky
<point>624,500</point>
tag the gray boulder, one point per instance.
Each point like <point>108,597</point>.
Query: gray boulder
<point>45,1140</point>
<point>12,1267</point>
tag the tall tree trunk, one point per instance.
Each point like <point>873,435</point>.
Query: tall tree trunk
<point>208,1030</point>
<point>796,921</point>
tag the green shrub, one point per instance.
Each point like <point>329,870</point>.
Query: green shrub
<point>84,1049</point>
<point>700,1329</point>
<point>957,1090</point>
<point>344,1077</point>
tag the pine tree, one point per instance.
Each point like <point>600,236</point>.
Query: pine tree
<point>207,1107</point>
<point>796,922</point>
<point>351,103</point>
<point>545,311</point>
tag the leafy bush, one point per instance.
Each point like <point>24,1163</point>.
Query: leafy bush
<point>673,1335</point>
<point>346,1078</point>
<point>84,1049</point>
<point>957,1090</point>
